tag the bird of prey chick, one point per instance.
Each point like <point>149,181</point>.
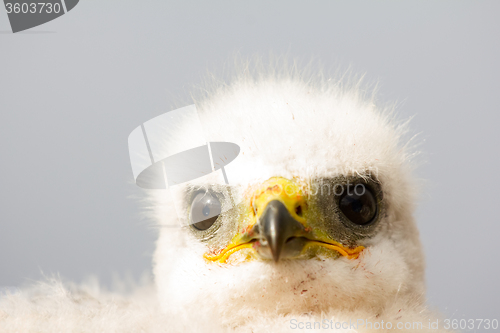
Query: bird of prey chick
<point>318,229</point>
<point>285,204</point>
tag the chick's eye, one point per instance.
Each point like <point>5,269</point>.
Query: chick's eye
<point>205,209</point>
<point>358,204</point>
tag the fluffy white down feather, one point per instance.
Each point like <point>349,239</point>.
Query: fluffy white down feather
<point>52,307</point>
<point>287,124</point>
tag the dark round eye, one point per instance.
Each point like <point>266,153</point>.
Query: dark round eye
<point>205,209</point>
<point>358,204</point>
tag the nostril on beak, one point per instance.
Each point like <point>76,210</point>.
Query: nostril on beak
<point>298,210</point>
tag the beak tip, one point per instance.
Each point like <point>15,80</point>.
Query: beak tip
<point>277,226</point>
<point>275,248</point>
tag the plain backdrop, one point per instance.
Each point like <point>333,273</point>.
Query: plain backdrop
<point>73,89</point>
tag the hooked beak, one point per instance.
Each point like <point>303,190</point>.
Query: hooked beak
<point>280,231</point>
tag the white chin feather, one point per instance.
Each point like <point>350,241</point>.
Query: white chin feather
<point>289,287</point>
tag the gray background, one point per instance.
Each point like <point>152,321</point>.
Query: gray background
<point>73,89</point>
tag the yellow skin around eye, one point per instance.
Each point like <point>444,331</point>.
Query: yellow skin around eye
<point>292,196</point>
